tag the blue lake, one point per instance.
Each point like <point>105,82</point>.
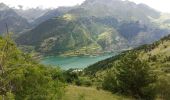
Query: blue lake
<point>74,62</point>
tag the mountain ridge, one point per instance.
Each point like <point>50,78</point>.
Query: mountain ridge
<point>85,29</point>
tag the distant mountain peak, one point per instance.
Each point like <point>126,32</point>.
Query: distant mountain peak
<point>15,22</point>
<point>105,1</point>
<point>3,7</point>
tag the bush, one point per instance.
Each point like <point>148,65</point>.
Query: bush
<point>87,83</point>
<point>167,58</point>
<point>24,79</point>
<point>133,77</point>
<point>165,68</point>
<point>110,82</point>
<point>70,76</point>
<point>153,58</point>
<point>78,82</point>
<point>163,87</point>
<point>83,82</point>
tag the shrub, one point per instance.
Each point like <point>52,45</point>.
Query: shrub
<point>163,87</point>
<point>22,78</point>
<point>87,83</point>
<point>83,82</point>
<point>78,82</point>
<point>153,58</point>
<point>133,77</point>
<point>70,76</point>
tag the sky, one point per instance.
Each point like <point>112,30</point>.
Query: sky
<point>160,5</point>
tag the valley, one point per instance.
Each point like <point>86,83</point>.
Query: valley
<point>95,50</point>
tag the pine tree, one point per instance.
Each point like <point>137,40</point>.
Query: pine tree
<point>131,76</point>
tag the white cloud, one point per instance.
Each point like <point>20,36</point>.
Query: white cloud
<point>41,3</point>
<point>161,5</point>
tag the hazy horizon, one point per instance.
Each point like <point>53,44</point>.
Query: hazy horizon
<point>160,5</point>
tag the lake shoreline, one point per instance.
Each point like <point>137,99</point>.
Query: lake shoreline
<point>80,62</point>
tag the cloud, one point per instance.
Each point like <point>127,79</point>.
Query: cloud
<point>41,3</point>
<point>161,5</point>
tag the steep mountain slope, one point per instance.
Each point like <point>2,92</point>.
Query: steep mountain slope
<point>66,33</point>
<point>96,26</point>
<point>156,54</point>
<point>15,22</point>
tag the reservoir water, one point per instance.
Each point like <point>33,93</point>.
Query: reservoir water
<point>74,62</point>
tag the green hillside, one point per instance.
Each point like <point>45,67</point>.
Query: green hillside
<point>21,77</point>
<point>131,67</point>
<point>157,55</point>
<point>68,34</point>
<point>88,93</point>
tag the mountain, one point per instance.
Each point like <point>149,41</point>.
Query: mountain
<point>3,6</point>
<point>95,27</point>
<point>124,10</point>
<point>15,22</point>
<point>64,34</point>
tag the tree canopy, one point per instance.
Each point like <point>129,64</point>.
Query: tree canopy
<point>21,77</point>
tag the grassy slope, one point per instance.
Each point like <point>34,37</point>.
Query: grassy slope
<point>89,93</point>
<point>156,54</point>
